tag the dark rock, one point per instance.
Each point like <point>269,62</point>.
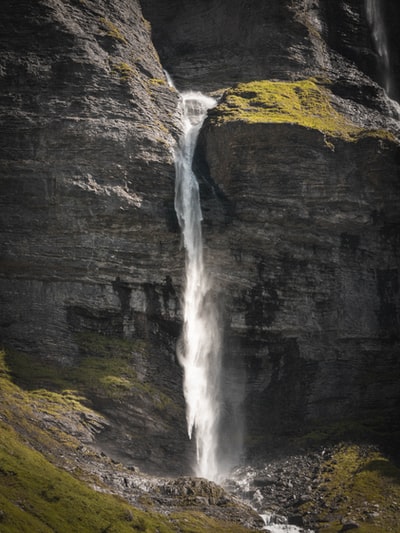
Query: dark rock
<point>87,184</point>
<point>266,41</point>
<point>296,520</point>
<point>301,232</point>
<point>311,304</point>
<point>348,526</point>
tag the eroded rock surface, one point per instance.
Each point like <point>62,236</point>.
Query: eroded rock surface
<point>301,229</point>
<point>312,257</point>
<point>88,236</point>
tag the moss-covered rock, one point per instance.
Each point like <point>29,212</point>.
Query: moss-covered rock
<point>358,486</point>
<point>106,369</point>
<point>307,103</point>
<point>116,378</point>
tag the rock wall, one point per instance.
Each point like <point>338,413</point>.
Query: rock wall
<point>311,269</point>
<point>211,45</point>
<point>87,170</point>
<point>89,241</point>
<point>301,230</point>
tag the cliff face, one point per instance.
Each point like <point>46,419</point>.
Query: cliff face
<point>312,244</point>
<point>212,45</point>
<point>88,119</point>
<point>301,216</point>
<point>87,178</point>
<point>300,222</point>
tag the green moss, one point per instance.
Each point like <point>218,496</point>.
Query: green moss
<point>157,81</point>
<point>49,498</point>
<point>24,411</point>
<point>111,30</point>
<point>37,496</point>
<point>106,369</point>
<point>306,103</point>
<point>196,522</point>
<point>123,70</point>
<point>103,346</point>
<point>363,486</point>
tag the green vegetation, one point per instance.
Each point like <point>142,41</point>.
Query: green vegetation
<point>306,103</point>
<point>124,70</point>
<point>111,30</point>
<point>36,495</point>
<point>373,429</point>
<point>20,409</point>
<point>363,487</point>
<point>358,484</point>
<point>106,369</point>
<point>157,81</point>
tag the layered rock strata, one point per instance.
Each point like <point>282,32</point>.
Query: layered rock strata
<point>88,235</point>
<point>310,265</point>
<point>300,218</point>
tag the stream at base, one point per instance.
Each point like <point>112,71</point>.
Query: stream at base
<point>272,527</point>
<point>276,490</point>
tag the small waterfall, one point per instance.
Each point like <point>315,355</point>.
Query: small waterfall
<point>280,526</point>
<point>200,350</point>
<point>377,24</point>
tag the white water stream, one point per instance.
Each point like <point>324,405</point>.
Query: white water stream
<point>200,350</point>
<point>272,527</point>
<point>376,22</point>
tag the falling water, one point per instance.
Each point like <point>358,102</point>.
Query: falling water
<point>200,350</point>
<point>375,20</point>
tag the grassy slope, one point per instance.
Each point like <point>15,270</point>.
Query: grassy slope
<point>37,496</point>
<point>360,486</point>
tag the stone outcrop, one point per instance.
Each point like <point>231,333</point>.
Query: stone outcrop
<point>312,254</point>
<point>301,224</point>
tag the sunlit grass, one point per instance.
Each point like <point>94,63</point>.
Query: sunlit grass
<point>306,103</point>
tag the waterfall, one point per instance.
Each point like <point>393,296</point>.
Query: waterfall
<point>377,24</point>
<point>200,350</point>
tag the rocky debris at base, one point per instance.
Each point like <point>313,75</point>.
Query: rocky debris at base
<point>281,485</point>
<point>163,495</point>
